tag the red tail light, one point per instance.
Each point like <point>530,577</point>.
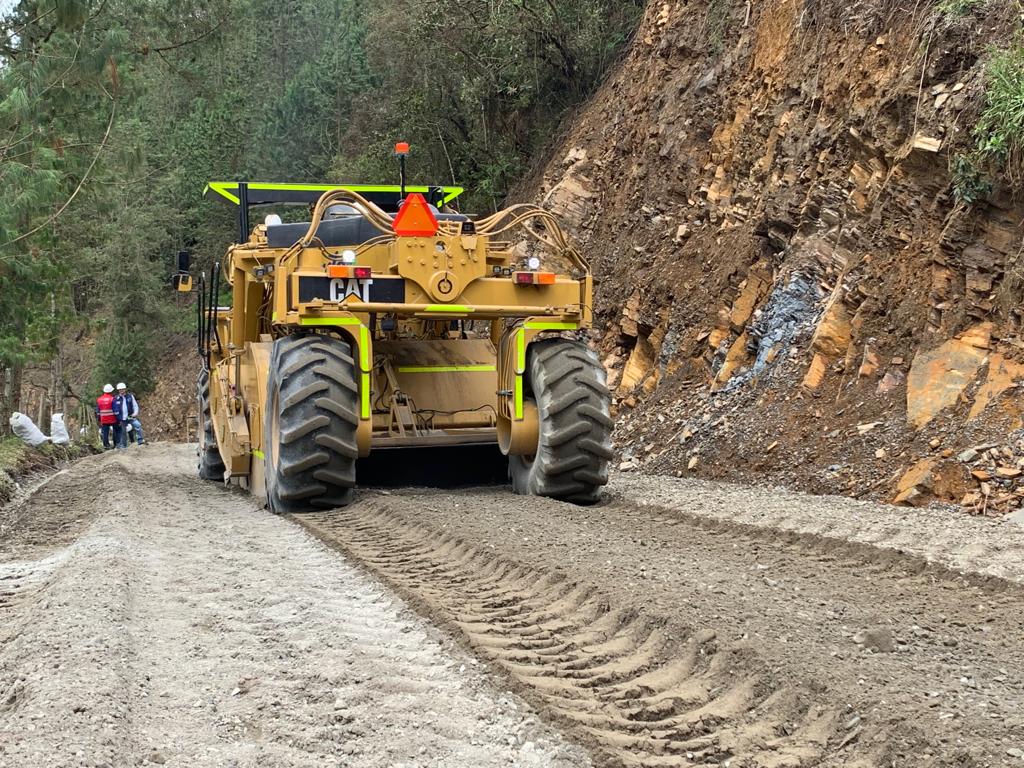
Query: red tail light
<point>534,278</point>
<point>523,278</point>
<point>344,270</point>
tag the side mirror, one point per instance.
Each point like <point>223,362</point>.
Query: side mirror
<point>181,279</point>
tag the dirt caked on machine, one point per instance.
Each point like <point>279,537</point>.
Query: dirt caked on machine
<point>389,321</point>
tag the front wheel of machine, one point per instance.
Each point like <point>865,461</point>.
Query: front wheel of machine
<point>573,404</point>
<point>211,466</point>
<point>312,414</point>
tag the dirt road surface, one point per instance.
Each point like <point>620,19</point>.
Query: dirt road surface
<point>705,624</point>
<point>677,624</point>
<point>149,618</point>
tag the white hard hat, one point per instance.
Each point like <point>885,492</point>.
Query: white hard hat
<point>107,388</point>
<point>122,385</point>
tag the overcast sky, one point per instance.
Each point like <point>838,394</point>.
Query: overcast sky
<point>6,5</point>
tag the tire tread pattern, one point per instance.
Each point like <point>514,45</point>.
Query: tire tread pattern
<point>211,466</point>
<point>573,403</point>
<point>317,401</point>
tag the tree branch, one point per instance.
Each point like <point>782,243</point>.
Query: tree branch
<point>207,33</point>
<point>88,171</point>
<point>29,23</point>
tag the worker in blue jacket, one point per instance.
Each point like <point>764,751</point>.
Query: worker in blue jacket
<point>126,407</point>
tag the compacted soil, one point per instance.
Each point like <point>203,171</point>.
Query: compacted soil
<point>697,623</point>
<point>150,617</point>
<point>147,617</point>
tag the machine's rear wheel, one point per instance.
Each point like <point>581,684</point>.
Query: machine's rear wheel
<point>312,414</point>
<point>211,466</point>
<point>569,387</point>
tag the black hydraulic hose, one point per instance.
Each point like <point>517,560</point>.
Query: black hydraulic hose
<point>216,293</point>
<point>201,317</point>
<point>210,315</point>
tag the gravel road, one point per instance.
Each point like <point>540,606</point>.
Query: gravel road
<point>153,618</point>
<point>150,618</point>
<point>703,624</point>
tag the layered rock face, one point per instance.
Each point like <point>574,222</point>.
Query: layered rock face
<point>789,288</point>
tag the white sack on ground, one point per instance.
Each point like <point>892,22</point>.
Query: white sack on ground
<point>58,430</point>
<point>26,429</point>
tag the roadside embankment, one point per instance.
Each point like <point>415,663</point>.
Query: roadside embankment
<point>19,463</point>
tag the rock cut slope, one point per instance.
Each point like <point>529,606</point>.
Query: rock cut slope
<point>789,285</point>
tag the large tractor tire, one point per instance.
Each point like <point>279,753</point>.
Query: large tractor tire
<point>309,434</point>
<point>211,466</point>
<point>568,385</point>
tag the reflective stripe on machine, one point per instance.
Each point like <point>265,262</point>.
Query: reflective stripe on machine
<point>533,325</point>
<point>222,188</point>
<point>447,369</point>
<point>328,321</point>
<point>520,370</point>
<point>364,355</point>
<point>538,325</point>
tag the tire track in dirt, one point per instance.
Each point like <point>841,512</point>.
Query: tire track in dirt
<point>640,691</point>
<point>188,627</point>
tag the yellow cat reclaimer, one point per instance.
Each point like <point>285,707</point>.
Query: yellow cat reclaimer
<point>387,321</point>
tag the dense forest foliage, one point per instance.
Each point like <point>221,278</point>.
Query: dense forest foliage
<point>114,114</point>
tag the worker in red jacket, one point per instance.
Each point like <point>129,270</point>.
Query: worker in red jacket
<point>107,418</point>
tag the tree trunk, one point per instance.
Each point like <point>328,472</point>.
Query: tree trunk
<point>5,428</point>
<point>10,395</point>
<point>41,410</point>
<point>57,388</point>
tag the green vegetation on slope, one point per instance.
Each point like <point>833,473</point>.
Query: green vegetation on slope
<point>114,113</point>
<point>959,7</point>
<point>1000,131</point>
<point>997,151</point>
<point>12,451</point>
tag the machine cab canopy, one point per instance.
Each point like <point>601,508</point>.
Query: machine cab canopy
<point>254,194</point>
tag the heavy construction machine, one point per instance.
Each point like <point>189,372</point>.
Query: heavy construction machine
<point>389,321</point>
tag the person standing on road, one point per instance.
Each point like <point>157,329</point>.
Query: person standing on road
<point>107,418</point>
<point>127,409</point>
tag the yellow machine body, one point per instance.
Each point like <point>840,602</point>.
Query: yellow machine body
<point>438,325</point>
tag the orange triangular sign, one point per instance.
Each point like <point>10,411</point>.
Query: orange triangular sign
<point>414,218</point>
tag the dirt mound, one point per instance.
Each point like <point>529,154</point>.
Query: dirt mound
<point>788,287</point>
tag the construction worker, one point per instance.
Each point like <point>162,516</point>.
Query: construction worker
<point>107,418</point>
<point>126,407</point>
